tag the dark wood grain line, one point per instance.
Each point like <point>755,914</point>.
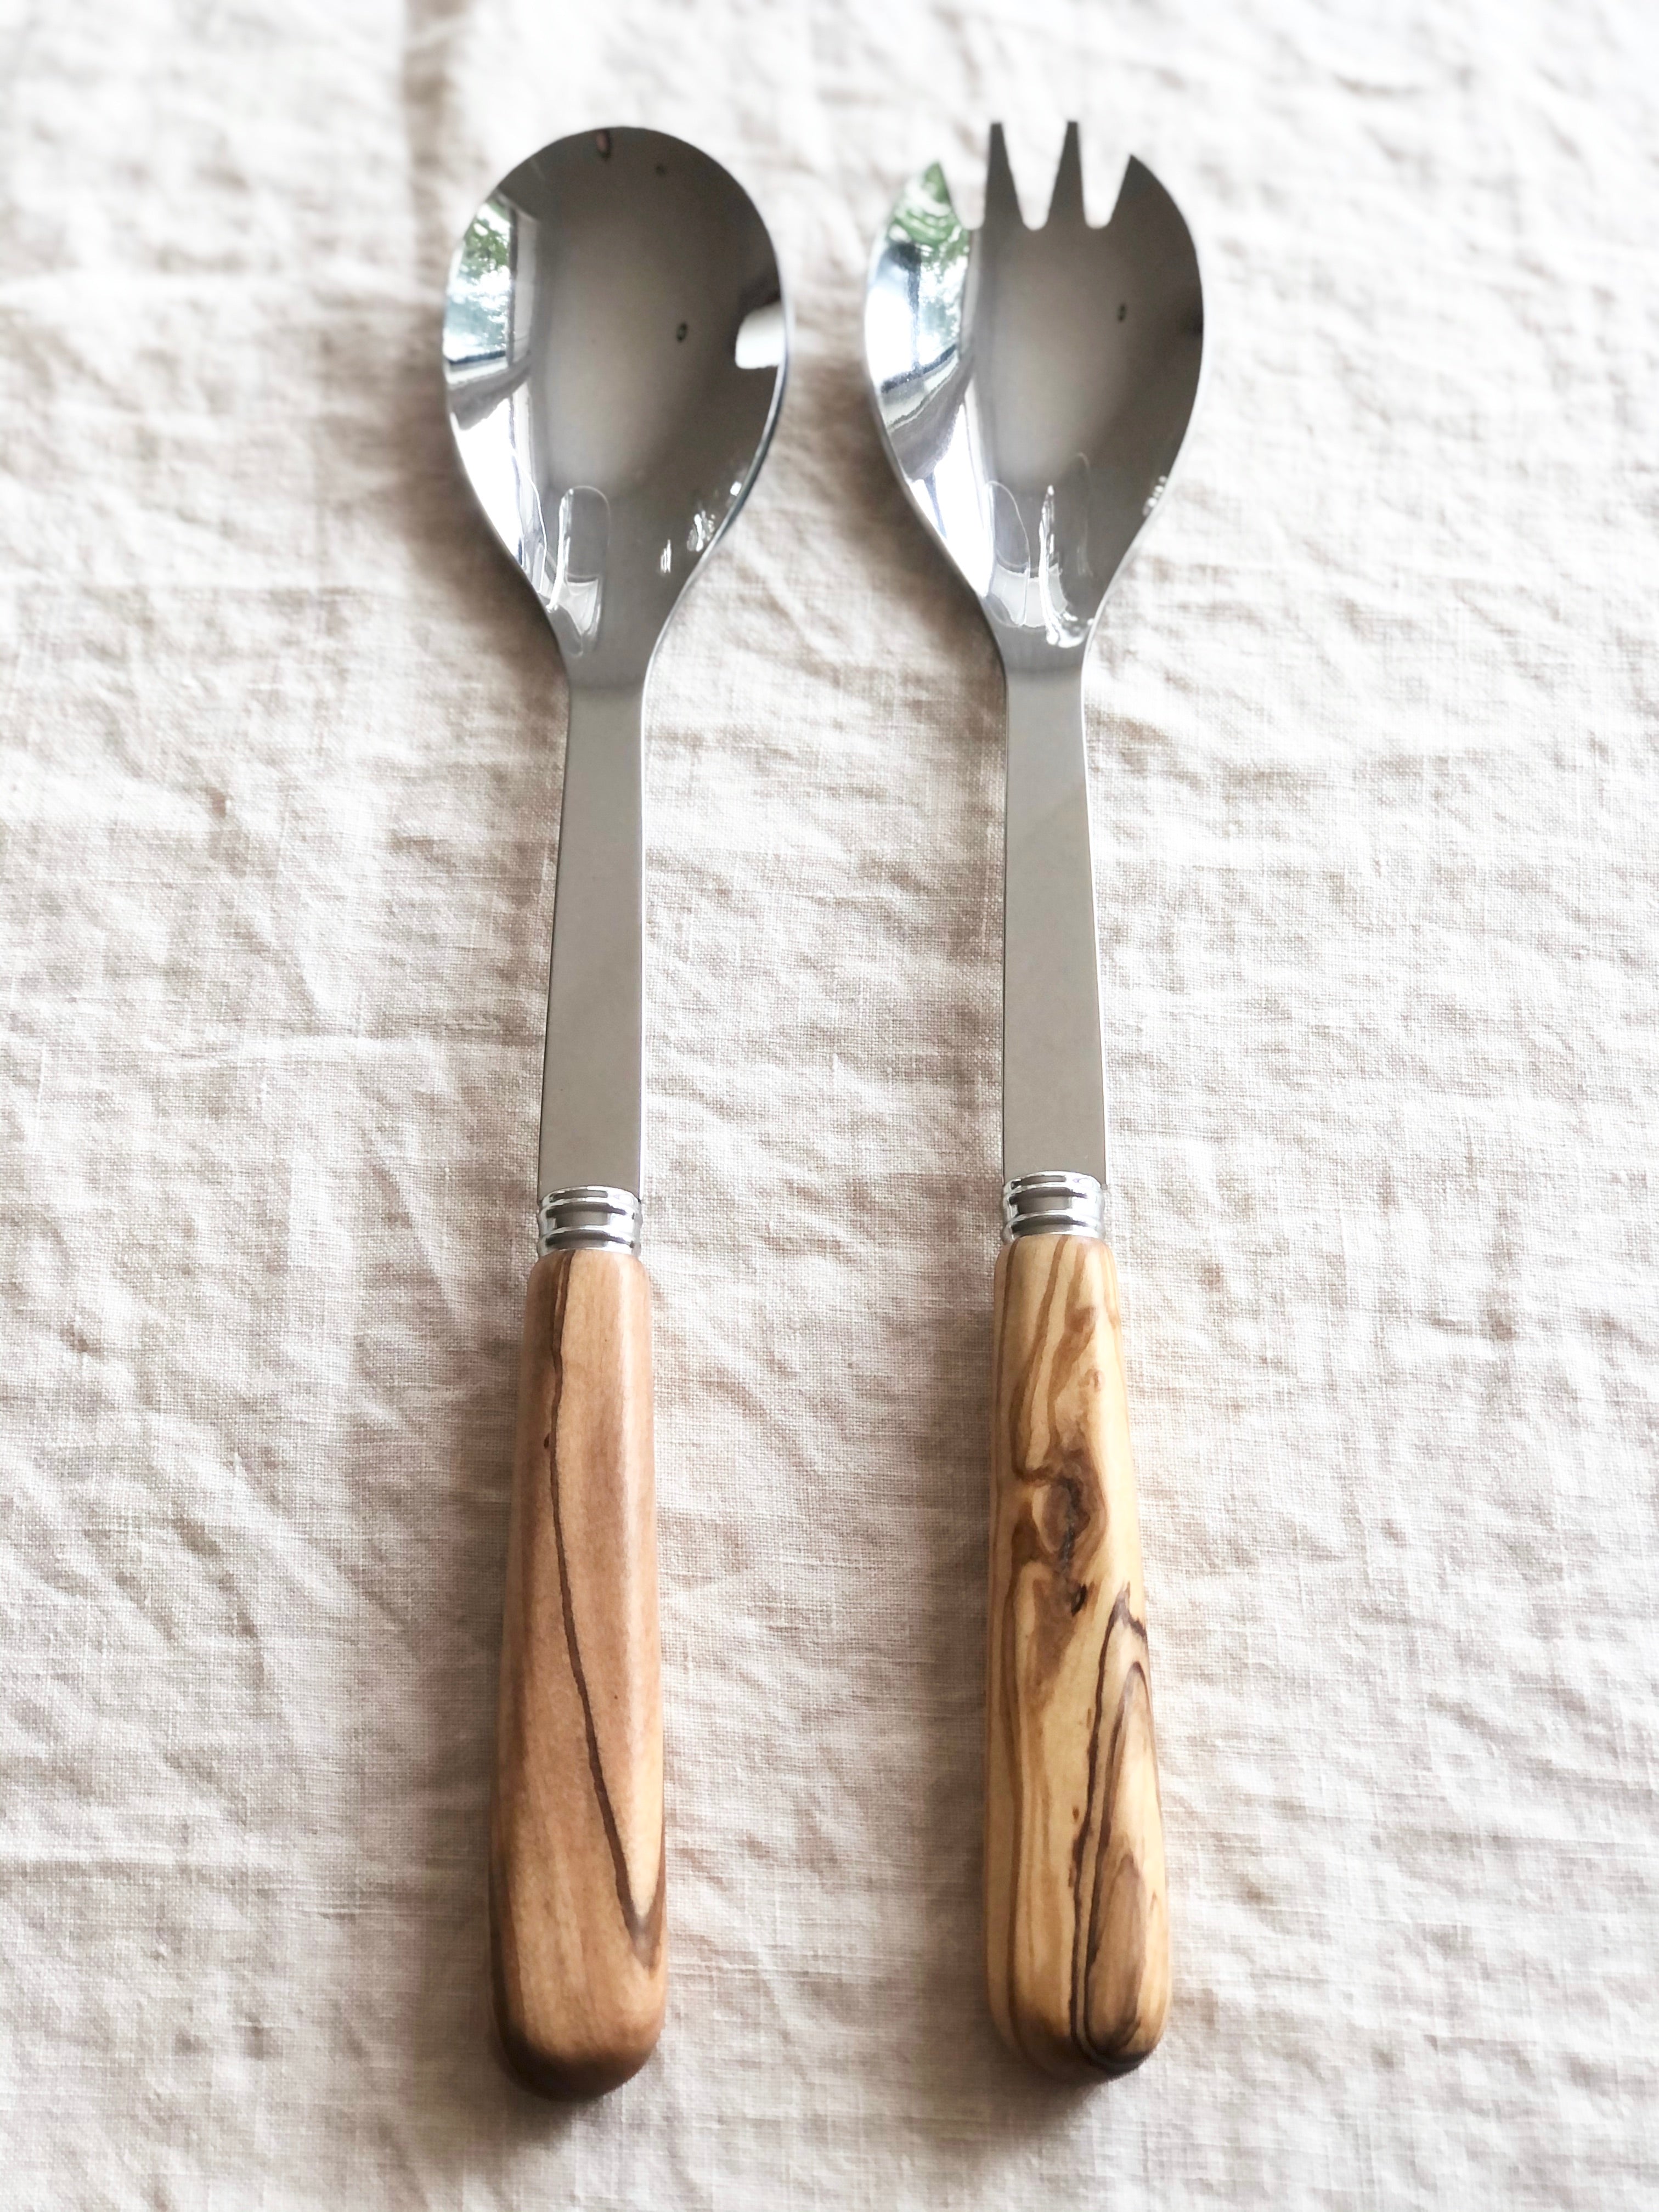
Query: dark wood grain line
<point>1090,1826</point>
<point>1089,1932</point>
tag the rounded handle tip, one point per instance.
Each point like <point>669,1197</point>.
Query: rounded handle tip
<point>572,2069</point>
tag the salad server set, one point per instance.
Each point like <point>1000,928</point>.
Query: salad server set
<point>615,350</point>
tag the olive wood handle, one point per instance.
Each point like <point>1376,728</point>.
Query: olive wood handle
<point>577,1950</point>
<point>1076,1914</point>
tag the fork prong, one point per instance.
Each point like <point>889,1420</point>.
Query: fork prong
<point>1067,204</point>
<point>1001,200</point>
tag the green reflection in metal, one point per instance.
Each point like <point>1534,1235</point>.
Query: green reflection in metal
<point>476,325</point>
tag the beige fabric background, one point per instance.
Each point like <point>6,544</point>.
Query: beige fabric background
<point>1375,727</point>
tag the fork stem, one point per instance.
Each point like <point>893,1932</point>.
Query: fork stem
<point>1054,1081</point>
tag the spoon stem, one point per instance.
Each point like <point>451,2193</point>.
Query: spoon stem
<point>592,1101</point>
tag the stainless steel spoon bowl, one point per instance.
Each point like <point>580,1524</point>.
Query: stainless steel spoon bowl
<point>614,346</point>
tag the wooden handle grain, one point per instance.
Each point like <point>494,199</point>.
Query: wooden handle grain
<point>1076,1914</point>
<point>577,1949</point>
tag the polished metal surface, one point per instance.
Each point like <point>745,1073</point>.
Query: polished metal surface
<point>615,345</point>
<point>1050,1205</point>
<point>593,1219</point>
<point>1033,388</point>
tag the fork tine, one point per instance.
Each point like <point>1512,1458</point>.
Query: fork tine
<point>1066,204</point>
<point>1001,200</point>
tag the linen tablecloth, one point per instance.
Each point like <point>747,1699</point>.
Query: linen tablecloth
<point>1374,727</point>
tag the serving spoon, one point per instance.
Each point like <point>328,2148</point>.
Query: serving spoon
<point>614,351</point>
<point>1032,389</point>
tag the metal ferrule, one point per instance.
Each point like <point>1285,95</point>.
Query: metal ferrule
<point>1053,1206</point>
<point>590,1218</point>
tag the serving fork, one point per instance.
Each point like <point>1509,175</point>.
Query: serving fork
<point>1033,388</point>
